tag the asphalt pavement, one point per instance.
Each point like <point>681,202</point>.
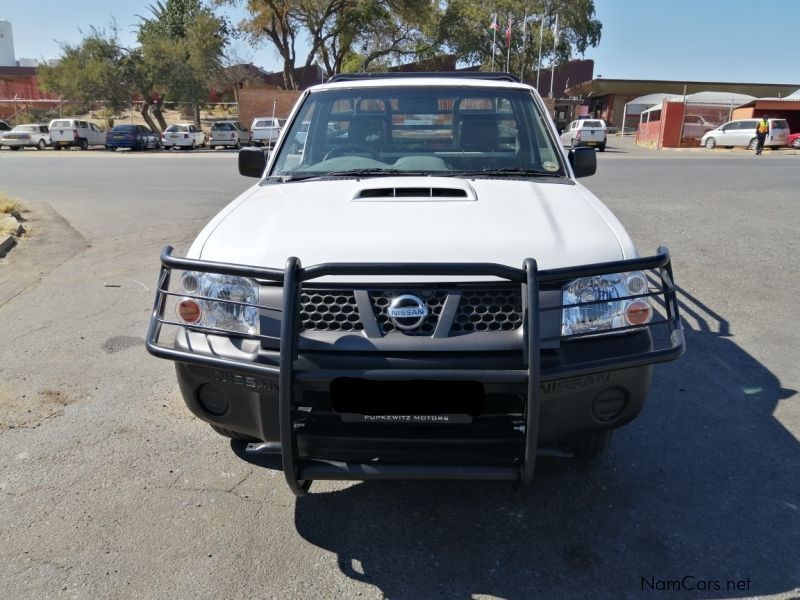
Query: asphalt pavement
<point>109,488</point>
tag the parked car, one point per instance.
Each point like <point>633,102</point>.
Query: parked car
<point>183,135</point>
<point>135,137</point>
<point>34,135</point>
<point>266,130</point>
<point>694,126</point>
<point>463,302</point>
<point>585,132</point>
<point>742,132</point>
<point>793,140</point>
<point>74,132</point>
<point>228,133</point>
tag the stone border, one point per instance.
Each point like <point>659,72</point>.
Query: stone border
<point>9,241</point>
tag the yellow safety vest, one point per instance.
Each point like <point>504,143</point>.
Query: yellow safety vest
<point>763,127</point>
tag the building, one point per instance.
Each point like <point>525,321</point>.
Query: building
<point>783,108</point>
<point>606,98</point>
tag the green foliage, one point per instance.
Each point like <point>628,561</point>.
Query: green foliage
<point>95,69</point>
<point>464,30</point>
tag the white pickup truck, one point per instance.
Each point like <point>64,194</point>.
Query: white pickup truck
<point>586,132</point>
<point>266,130</point>
<point>417,287</point>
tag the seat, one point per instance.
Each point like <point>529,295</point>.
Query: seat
<point>478,134</point>
<point>368,131</point>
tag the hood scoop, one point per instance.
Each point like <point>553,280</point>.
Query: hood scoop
<point>412,191</point>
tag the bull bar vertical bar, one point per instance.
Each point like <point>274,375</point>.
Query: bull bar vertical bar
<point>288,354</point>
<point>532,337</point>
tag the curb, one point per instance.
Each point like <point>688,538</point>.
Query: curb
<point>9,241</point>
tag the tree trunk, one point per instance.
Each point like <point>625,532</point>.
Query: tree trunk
<point>147,118</point>
<point>158,108</point>
<point>196,113</point>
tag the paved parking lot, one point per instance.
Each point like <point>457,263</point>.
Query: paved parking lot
<point>109,488</point>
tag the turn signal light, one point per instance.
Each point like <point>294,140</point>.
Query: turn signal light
<point>638,312</point>
<point>189,311</point>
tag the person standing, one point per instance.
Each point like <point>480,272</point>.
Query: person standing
<point>762,129</point>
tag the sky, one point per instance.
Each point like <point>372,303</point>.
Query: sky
<point>682,40</point>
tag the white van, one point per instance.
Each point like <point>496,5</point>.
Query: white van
<point>742,132</point>
<point>73,132</point>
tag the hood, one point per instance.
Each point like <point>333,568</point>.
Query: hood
<point>399,219</point>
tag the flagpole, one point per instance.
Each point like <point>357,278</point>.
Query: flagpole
<point>524,39</point>
<point>553,67</point>
<point>508,45</point>
<point>494,40</point>
<point>539,59</point>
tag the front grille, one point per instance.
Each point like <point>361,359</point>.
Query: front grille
<point>329,310</point>
<point>478,310</point>
<point>381,299</point>
<point>488,310</point>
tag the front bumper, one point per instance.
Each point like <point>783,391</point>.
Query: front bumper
<point>533,398</point>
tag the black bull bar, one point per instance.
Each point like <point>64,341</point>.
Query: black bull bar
<point>299,474</point>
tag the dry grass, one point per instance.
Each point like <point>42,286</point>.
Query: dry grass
<point>13,207</point>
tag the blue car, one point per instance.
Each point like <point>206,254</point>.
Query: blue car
<point>135,137</point>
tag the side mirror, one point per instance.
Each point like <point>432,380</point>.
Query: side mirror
<point>252,162</point>
<point>583,161</point>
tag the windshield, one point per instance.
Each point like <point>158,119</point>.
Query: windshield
<point>420,130</point>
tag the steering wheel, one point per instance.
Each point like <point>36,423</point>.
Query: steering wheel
<point>345,149</point>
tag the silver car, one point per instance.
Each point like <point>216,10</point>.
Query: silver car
<point>35,135</point>
<point>742,132</point>
<point>228,133</point>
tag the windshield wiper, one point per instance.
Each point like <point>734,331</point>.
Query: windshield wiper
<point>509,172</point>
<point>369,172</point>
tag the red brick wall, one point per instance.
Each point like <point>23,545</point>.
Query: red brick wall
<point>257,102</point>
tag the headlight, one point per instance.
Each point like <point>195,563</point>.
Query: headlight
<point>605,312</point>
<point>219,301</point>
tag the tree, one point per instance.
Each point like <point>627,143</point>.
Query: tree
<point>341,32</point>
<point>96,69</point>
<point>464,30</point>
<point>181,47</point>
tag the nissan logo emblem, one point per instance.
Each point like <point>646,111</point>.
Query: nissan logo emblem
<point>407,312</point>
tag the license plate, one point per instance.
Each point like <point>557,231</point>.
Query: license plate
<point>446,419</point>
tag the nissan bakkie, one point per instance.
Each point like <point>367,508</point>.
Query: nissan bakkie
<point>419,288</point>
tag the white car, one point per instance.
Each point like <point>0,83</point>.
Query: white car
<point>228,133</point>
<point>742,132</point>
<point>585,132</point>
<point>35,135</point>
<point>423,290</point>
<point>65,133</point>
<point>183,135</point>
<point>266,130</point>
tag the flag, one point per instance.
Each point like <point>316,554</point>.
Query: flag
<point>508,33</point>
<point>494,24</point>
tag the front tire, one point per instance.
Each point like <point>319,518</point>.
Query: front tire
<point>753,144</point>
<point>41,145</point>
<point>711,143</point>
<point>83,144</point>
<point>796,144</point>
